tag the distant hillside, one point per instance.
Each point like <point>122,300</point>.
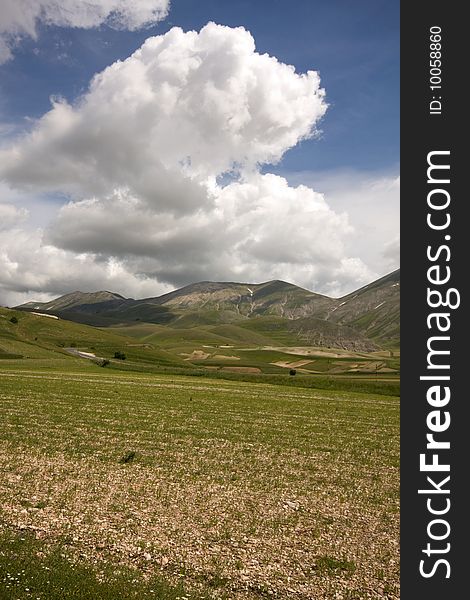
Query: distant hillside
<point>364,320</point>
<point>374,310</point>
<point>79,301</point>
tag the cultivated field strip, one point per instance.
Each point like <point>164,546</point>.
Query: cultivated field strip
<point>243,491</point>
<point>176,382</point>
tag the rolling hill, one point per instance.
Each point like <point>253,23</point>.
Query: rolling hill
<point>35,336</point>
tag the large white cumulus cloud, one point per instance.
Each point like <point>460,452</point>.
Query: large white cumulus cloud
<point>19,18</point>
<point>184,106</point>
<point>161,158</point>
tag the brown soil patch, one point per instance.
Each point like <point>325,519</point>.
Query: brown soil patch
<point>242,369</point>
<point>195,355</point>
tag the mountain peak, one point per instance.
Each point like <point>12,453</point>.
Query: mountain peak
<point>73,299</point>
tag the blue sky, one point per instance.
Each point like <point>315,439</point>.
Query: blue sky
<point>350,232</point>
<point>354,46</point>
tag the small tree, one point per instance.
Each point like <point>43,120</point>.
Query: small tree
<point>120,355</point>
<point>14,320</point>
<point>292,372</point>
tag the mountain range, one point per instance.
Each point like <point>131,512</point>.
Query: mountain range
<point>364,320</point>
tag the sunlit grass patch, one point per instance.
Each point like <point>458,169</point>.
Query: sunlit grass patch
<point>30,569</point>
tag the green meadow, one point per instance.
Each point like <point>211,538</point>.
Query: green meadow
<point>157,477</point>
<point>236,489</point>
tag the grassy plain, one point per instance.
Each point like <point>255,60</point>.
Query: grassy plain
<point>238,490</point>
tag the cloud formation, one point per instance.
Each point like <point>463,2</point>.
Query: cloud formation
<point>258,229</point>
<point>183,108</point>
<point>31,269</point>
<point>161,159</point>
<point>372,201</point>
<point>19,18</point>
<point>11,216</point>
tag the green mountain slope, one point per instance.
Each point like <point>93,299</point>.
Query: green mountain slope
<point>37,336</point>
<point>271,312</point>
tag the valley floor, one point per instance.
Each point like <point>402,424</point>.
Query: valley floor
<point>236,490</point>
